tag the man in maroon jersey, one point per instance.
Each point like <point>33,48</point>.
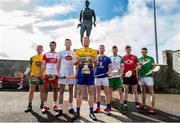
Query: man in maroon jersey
<point>130,64</point>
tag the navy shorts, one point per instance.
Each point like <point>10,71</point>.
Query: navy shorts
<point>85,80</point>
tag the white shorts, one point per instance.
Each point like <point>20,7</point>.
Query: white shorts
<point>66,81</point>
<point>146,81</point>
<point>102,81</point>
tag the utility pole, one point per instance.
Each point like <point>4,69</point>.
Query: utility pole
<point>155,31</point>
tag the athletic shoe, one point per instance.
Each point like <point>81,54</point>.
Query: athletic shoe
<point>92,116</point>
<point>71,111</point>
<point>121,107</point>
<point>59,113</point>
<point>125,108</point>
<point>97,110</point>
<point>76,116</point>
<point>108,111</point>
<point>45,108</point>
<point>142,106</point>
<point>152,110</point>
<point>29,108</point>
<point>55,107</point>
<point>41,106</point>
<point>138,107</point>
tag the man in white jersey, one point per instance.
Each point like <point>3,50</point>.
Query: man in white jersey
<point>66,68</point>
<point>118,68</point>
<point>49,67</point>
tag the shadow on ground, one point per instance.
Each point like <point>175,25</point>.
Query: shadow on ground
<point>51,117</point>
<point>144,116</point>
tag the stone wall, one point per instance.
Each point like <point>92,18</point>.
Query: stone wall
<point>9,67</point>
<point>176,61</point>
<point>160,78</point>
<point>172,60</point>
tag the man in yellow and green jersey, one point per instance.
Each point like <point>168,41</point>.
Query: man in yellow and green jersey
<point>34,70</point>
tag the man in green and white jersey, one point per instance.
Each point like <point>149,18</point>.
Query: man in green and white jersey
<point>117,70</point>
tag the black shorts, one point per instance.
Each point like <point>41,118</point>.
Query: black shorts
<point>130,80</point>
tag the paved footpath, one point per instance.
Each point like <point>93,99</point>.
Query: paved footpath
<point>12,105</point>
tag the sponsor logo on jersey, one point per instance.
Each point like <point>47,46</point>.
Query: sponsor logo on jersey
<point>129,62</point>
<point>68,58</point>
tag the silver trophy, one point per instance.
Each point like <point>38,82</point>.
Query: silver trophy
<point>86,63</point>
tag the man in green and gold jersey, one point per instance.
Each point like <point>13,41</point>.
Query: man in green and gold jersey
<point>34,70</point>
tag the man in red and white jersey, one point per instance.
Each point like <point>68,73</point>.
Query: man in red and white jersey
<point>130,64</point>
<point>49,67</point>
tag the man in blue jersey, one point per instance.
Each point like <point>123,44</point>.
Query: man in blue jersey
<point>103,67</point>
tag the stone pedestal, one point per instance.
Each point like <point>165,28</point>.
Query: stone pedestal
<point>167,58</point>
<point>176,61</point>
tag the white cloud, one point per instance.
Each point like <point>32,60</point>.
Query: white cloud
<point>14,18</point>
<point>3,55</point>
<point>27,27</point>
<point>53,10</point>
<point>11,5</point>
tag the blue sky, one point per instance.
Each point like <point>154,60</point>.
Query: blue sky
<point>105,9</point>
<point>27,23</point>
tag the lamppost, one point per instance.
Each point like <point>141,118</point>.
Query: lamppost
<point>155,31</point>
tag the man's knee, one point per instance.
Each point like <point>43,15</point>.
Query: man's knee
<point>151,91</point>
<point>134,91</point>
<point>31,91</point>
<point>61,91</point>
<point>88,32</point>
<point>71,92</point>
<point>143,89</point>
<point>126,90</point>
<point>79,92</point>
<point>82,31</point>
<point>90,93</point>
<point>55,89</point>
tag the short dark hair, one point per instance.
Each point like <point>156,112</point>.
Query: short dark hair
<point>52,42</point>
<point>114,47</point>
<point>128,47</point>
<point>67,39</point>
<point>102,46</point>
<point>144,48</point>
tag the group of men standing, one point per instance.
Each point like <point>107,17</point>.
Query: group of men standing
<point>92,69</point>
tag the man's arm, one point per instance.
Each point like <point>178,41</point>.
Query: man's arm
<point>28,70</point>
<point>110,68</point>
<point>137,66</point>
<point>80,16</point>
<point>43,67</point>
<point>95,60</point>
<point>94,17</point>
<point>122,68</point>
<point>75,59</point>
<point>58,66</point>
<point>122,65</point>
